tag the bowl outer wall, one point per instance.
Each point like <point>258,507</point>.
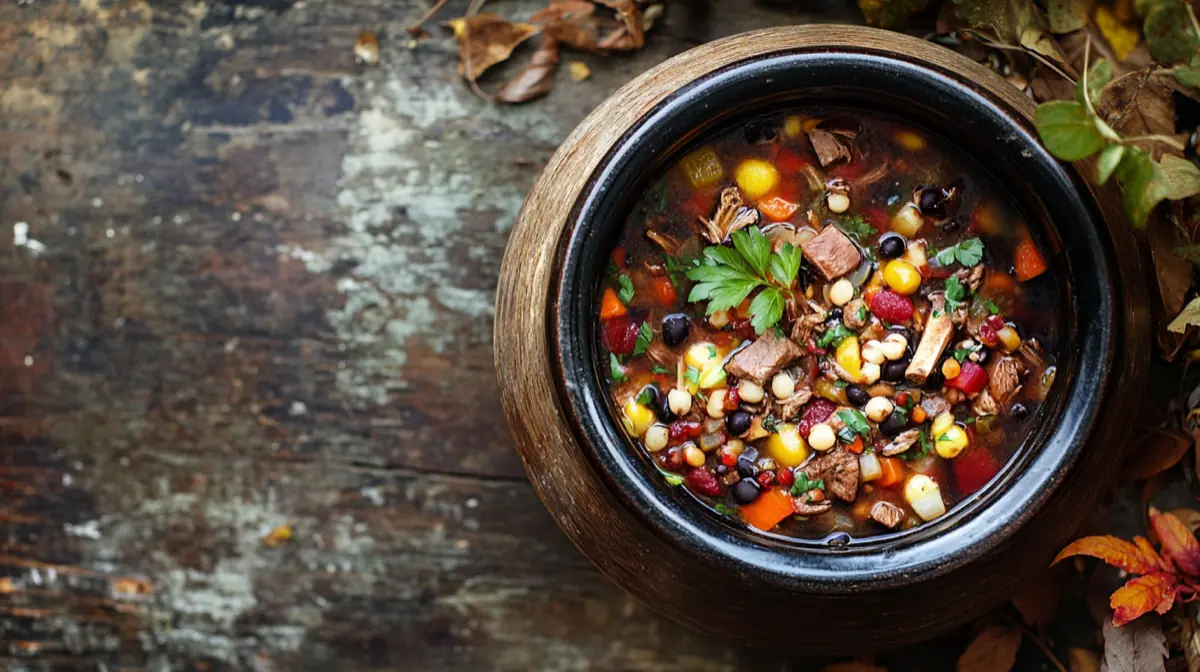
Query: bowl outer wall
<point>672,579</point>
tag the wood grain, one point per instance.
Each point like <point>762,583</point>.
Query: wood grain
<point>657,572</point>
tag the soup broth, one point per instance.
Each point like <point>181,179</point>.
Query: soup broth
<point>827,321</point>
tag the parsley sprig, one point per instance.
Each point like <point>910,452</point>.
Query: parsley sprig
<point>956,293</point>
<point>856,227</point>
<point>968,252</point>
<point>728,275</point>
<point>803,485</point>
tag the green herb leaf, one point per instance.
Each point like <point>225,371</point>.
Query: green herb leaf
<point>723,510</point>
<point>846,435</point>
<point>1188,74</point>
<point>625,293</point>
<point>1068,130</point>
<point>672,479</point>
<point>766,309</point>
<point>834,336</point>
<point>900,412</point>
<point>646,396</point>
<point>1180,178</point>
<point>856,227</point>
<point>754,247</point>
<point>770,423</point>
<point>1107,163</point>
<point>784,265</point>
<point>1140,185</point>
<point>1170,34</point>
<point>1067,15</point>
<point>659,369</point>
<point>861,313</point>
<point>955,293</point>
<point>615,370</point>
<point>968,252</point>
<point>855,420</point>
<point>925,443</point>
<point>644,337</point>
<point>803,485</point>
<point>991,306</point>
<point>692,375</point>
<point>961,353</point>
<point>1098,77</point>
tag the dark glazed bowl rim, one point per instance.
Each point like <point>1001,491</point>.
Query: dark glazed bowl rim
<point>1003,142</point>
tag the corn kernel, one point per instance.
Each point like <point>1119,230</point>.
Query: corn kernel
<point>693,455</point>
<point>702,168</point>
<point>941,423</point>
<point>849,357</point>
<point>951,442</point>
<point>700,355</point>
<point>786,446</point>
<point>756,178</point>
<point>951,368</point>
<point>640,417</point>
<point>902,277</point>
<point>907,222</point>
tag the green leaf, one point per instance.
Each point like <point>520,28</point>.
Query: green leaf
<point>766,309</point>
<point>625,293</point>
<point>615,370</point>
<point>856,227</point>
<point>836,334</point>
<point>1107,163</point>
<point>1068,130</point>
<point>1189,316</point>
<point>803,485</point>
<point>855,420</point>
<point>754,248</point>
<point>728,295</point>
<point>955,294</point>
<point>646,396</point>
<point>1098,77</point>
<point>1180,178</point>
<point>692,375</point>
<point>645,335</point>
<point>672,479</point>
<point>1067,15</point>
<point>1144,7</point>
<point>961,354</point>
<point>1189,73</point>
<point>720,255</point>
<point>967,252</point>
<point>991,306</point>
<point>723,510</point>
<point>1170,35</point>
<point>785,264</point>
<point>1140,185</point>
<point>659,369</point>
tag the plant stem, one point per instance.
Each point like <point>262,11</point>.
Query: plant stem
<point>425,17</point>
<point>1087,52</point>
<point>1008,47</point>
<point>1154,137</point>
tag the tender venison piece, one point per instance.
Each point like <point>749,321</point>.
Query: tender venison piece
<point>829,147</point>
<point>852,312</point>
<point>839,470</point>
<point>903,441</point>
<point>1004,379</point>
<point>831,253</point>
<point>934,405</point>
<point>805,508</point>
<point>764,358</point>
<point>802,327</point>
<point>790,407</point>
<point>970,277</point>
<point>887,514</point>
<point>938,332</point>
<point>729,217</point>
<point>985,404</point>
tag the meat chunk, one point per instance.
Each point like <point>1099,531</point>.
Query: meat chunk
<point>839,470</point>
<point>764,358</point>
<point>985,404</point>
<point>934,405</point>
<point>903,441</point>
<point>730,216</point>
<point>802,327</point>
<point>832,253</point>
<point>805,508</point>
<point>938,332</point>
<point>1004,379</point>
<point>970,277</point>
<point>887,514</point>
<point>790,407</point>
<point>829,147</point>
<point>855,314</point>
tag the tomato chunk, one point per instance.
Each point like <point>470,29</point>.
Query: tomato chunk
<point>971,379</point>
<point>974,469</point>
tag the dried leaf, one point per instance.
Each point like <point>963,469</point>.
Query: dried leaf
<point>1083,660</point>
<point>1112,550</point>
<point>1189,316</point>
<point>994,649</point>
<point>1067,15</point>
<point>1037,600</point>
<point>1170,34</point>
<point>1171,270</point>
<point>630,36</point>
<point>579,70</point>
<point>1137,105</point>
<point>278,535</point>
<point>1121,38</point>
<point>1164,449</point>
<point>1189,639</point>
<point>536,78</point>
<point>1178,542</point>
<point>1180,177</point>
<point>485,40</point>
<point>366,48</point>
<point>889,14</point>
<point>1137,647</point>
<point>571,22</point>
<point>1143,594</point>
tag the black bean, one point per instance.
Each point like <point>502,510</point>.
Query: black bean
<point>675,329</point>
<point>745,491</point>
<point>857,395</point>
<point>1019,411</point>
<point>746,463</point>
<point>662,409</point>
<point>738,422</point>
<point>892,425</point>
<point>951,225</point>
<point>835,315</point>
<point>893,372</point>
<point>891,246</point>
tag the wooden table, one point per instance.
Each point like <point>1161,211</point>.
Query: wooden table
<point>250,417</point>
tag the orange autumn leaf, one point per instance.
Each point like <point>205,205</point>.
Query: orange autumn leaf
<point>485,40</point>
<point>1178,542</point>
<point>1152,592</point>
<point>1116,552</point>
<point>1148,550</point>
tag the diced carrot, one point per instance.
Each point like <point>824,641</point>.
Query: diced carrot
<point>1027,261</point>
<point>788,162</point>
<point>893,472</point>
<point>771,507</point>
<point>857,446</point>
<point>618,256</point>
<point>919,415</point>
<point>663,291</point>
<point>610,305</point>
<point>777,208</point>
<point>998,284</point>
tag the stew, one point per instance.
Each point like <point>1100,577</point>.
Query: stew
<point>827,321</point>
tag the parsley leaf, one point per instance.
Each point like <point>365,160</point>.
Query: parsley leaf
<point>968,253</point>
<point>672,479</point>
<point>803,485</point>
<point>754,248</point>
<point>770,423</point>
<point>861,314</point>
<point>723,510</point>
<point>856,421</point>
<point>901,412</point>
<point>785,264</point>
<point>676,268</point>
<point>961,353</point>
<point>659,369</point>
<point>645,335</point>
<point>728,275</point>
<point>612,269</point>
<point>646,396</point>
<point>766,309</point>
<point>625,293</point>
<point>856,227</point>
<point>926,446</point>
<point>836,334</point>
<point>955,293</point>
<point>991,306</point>
<point>615,370</point>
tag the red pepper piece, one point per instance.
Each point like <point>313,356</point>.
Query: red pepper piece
<point>971,379</point>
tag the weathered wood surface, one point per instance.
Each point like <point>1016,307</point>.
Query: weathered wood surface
<point>250,286</point>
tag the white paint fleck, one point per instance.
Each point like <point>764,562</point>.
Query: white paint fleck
<point>236,216</point>
<point>28,360</point>
<point>373,495</point>
<point>21,239</point>
<point>231,345</point>
<point>87,530</point>
<point>97,202</point>
<point>297,408</point>
<point>110,233</point>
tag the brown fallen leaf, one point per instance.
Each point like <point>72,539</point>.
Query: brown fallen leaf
<point>1037,599</point>
<point>1189,638</point>
<point>630,35</point>
<point>579,70</point>
<point>1173,274</point>
<point>1159,451</point>
<point>485,40</point>
<point>1135,647</point>
<point>1083,660</point>
<point>537,78</point>
<point>571,22</point>
<point>994,649</point>
<point>366,48</point>
<point>1136,104</point>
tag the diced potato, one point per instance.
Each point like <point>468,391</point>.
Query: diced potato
<point>849,357</point>
<point>924,496</point>
<point>941,423</point>
<point>907,222</point>
<point>786,446</point>
<point>951,442</point>
<point>869,467</point>
<point>702,168</point>
<point>699,355</point>
<point>712,375</point>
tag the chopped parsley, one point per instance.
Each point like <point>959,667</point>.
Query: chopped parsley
<point>723,510</point>
<point>961,354</point>
<point>676,268</point>
<point>856,227</point>
<point>968,253</point>
<point>924,442</point>
<point>644,337</point>
<point>659,369</point>
<point>901,412</point>
<point>861,313</point>
<point>625,293</point>
<point>612,269</point>
<point>672,479</point>
<point>846,435</point>
<point>646,396</point>
<point>834,336</point>
<point>730,274</point>
<point>803,485</point>
<point>615,370</point>
<point>712,351</point>
<point>770,423</point>
<point>855,420</point>
<point>955,293</point>
<point>991,306</point>
<point>692,375</point>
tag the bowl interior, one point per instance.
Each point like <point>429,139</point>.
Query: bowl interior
<point>999,141</point>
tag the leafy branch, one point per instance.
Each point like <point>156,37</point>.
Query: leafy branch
<point>727,276</point>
